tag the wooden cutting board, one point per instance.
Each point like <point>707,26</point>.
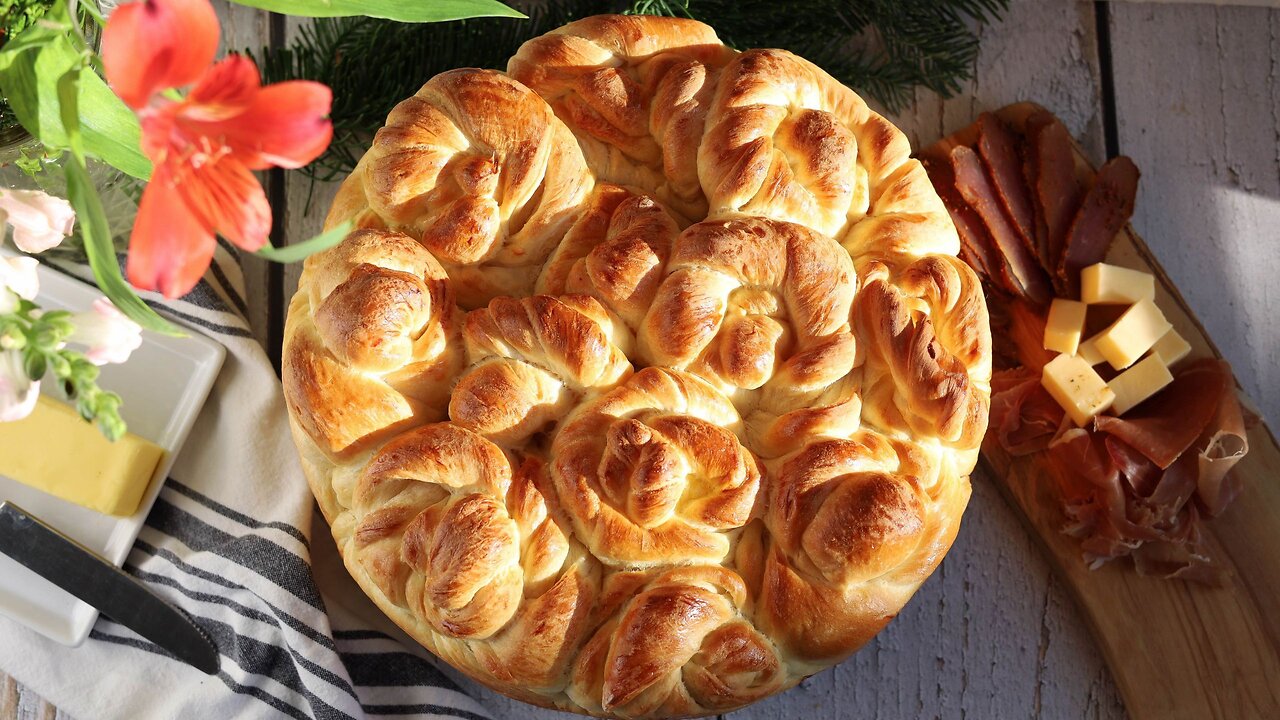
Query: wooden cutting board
<point>1176,649</point>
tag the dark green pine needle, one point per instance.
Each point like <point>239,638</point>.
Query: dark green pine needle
<point>883,48</point>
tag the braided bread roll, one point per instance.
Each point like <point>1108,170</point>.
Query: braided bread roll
<point>649,384</point>
<point>490,200</point>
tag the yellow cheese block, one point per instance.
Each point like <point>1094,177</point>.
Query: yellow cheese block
<point>1171,347</point>
<point>1106,284</point>
<point>1065,324</point>
<point>56,451</point>
<point>1077,387</point>
<point>1130,337</point>
<point>1146,378</point>
<point>1088,351</point>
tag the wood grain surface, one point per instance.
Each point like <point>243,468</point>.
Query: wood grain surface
<point>995,634</point>
<point>1177,650</point>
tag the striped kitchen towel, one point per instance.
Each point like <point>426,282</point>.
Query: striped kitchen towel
<point>234,540</point>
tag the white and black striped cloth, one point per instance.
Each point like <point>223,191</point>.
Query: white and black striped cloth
<point>234,540</point>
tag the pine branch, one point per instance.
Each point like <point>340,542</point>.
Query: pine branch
<point>373,64</point>
<point>882,48</point>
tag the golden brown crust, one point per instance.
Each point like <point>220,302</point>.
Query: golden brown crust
<point>616,252</point>
<point>761,308</point>
<point>657,448</point>
<point>634,89</point>
<point>490,200</point>
<point>531,361</point>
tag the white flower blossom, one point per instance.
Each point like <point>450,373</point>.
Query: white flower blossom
<point>109,335</point>
<point>40,221</point>
<point>18,392</point>
<point>18,279</point>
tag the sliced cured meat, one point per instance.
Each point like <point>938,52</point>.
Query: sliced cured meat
<point>1026,335</point>
<point>976,246</point>
<point>1051,169</point>
<point>1107,206</point>
<point>998,148</point>
<point>976,188</point>
<point>1024,417</point>
<point>1168,424</point>
<point>1222,445</point>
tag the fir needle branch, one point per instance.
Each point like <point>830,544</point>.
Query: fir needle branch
<point>882,48</point>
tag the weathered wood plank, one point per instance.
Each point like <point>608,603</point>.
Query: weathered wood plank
<point>1198,109</point>
<point>246,28</point>
<point>1042,52</point>
<point>1157,633</point>
<point>305,202</point>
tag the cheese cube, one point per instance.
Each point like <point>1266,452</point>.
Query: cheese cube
<point>1106,284</point>
<point>1066,323</point>
<point>54,450</point>
<point>1130,337</point>
<point>1088,351</point>
<point>1144,379</point>
<point>1171,347</point>
<point>1076,387</point>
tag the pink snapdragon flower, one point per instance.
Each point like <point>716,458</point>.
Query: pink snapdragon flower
<point>18,392</point>
<point>109,336</point>
<point>18,279</point>
<point>39,220</point>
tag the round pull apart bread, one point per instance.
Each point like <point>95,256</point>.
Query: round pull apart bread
<point>649,383</point>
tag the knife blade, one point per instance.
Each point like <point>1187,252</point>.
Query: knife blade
<point>81,572</point>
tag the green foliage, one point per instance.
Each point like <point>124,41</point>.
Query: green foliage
<point>413,11</point>
<point>299,251</point>
<point>883,48</point>
<point>31,64</point>
<point>18,15</point>
<point>90,216</point>
<point>373,64</point>
<point>41,337</point>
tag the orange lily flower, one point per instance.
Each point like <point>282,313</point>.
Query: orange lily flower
<point>204,146</point>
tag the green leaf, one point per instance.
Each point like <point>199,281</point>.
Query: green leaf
<point>294,253</point>
<point>31,66</point>
<point>92,220</point>
<point>36,364</point>
<point>401,10</point>
<point>102,255</point>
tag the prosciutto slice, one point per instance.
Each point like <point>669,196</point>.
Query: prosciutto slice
<point>1106,207</point>
<point>1164,427</point>
<point>1023,415</point>
<point>998,149</point>
<point>1020,266</point>
<point>1119,496</point>
<point>1223,444</point>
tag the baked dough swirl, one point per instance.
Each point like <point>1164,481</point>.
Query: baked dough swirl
<point>649,383</point>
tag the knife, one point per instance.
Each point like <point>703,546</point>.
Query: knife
<point>81,572</point>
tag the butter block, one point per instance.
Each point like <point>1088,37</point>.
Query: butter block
<point>1088,351</point>
<point>1065,325</point>
<point>1171,347</point>
<point>1130,337</point>
<point>1111,284</point>
<point>1146,378</point>
<point>1076,387</point>
<point>56,451</point>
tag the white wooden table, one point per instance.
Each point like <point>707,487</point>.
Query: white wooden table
<point>1191,93</point>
